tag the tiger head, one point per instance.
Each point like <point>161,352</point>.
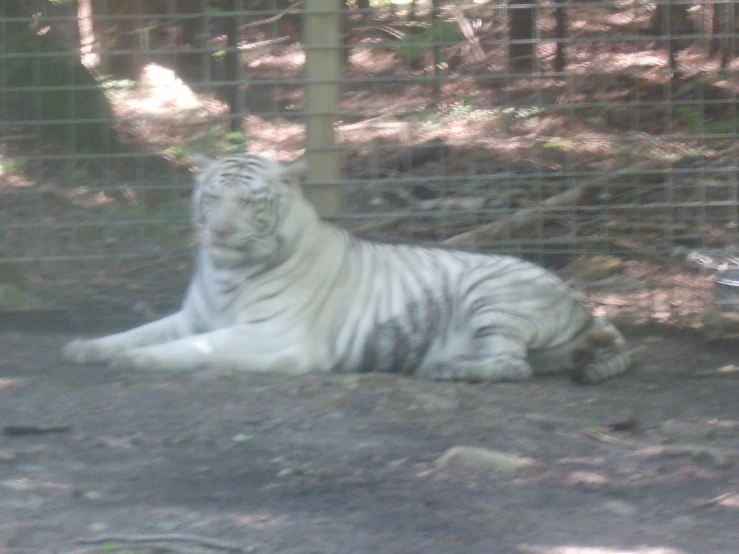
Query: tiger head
<point>240,208</point>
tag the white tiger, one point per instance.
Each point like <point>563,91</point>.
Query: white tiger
<point>277,289</point>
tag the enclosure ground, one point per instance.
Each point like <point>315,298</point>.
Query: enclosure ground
<point>345,464</point>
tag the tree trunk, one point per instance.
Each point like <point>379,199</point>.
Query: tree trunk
<point>522,24</point>
<point>233,68</point>
<point>723,23</point>
<point>730,42</point>
<point>718,20</point>
<point>65,100</point>
<point>672,20</point>
<point>435,55</point>
<point>412,8</point>
<point>560,33</point>
<point>88,43</point>
<point>123,32</point>
<point>191,56</point>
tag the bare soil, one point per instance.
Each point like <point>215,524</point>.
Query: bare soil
<point>345,464</point>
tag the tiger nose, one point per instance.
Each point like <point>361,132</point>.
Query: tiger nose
<point>220,232</point>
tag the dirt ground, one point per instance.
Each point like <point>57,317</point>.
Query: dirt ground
<point>643,464</point>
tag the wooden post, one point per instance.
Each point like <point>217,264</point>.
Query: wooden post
<point>323,41</point>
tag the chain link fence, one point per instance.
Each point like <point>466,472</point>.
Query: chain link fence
<point>597,138</point>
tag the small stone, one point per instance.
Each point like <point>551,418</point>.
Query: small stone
<point>702,454</point>
<point>97,527</point>
<point>619,508</point>
<point>682,431</point>
<point>17,485</point>
<point>482,458</point>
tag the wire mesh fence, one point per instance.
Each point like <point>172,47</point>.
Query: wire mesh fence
<point>598,138</point>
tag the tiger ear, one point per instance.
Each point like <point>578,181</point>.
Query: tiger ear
<point>201,161</point>
<point>297,168</point>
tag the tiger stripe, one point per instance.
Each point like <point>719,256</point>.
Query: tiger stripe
<point>277,289</point>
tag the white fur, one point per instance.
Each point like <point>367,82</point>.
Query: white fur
<point>305,296</point>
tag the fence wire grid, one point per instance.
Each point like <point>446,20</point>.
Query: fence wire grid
<point>597,138</point>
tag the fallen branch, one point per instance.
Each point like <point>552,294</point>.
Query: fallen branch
<point>520,219</point>
<point>456,203</point>
<point>31,429</point>
<point>168,537</point>
<point>527,216</point>
<point>262,43</point>
<point>277,17</point>
<point>378,225</point>
<point>715,500</point>
<point>606,437</point>
<point>728,370</point>
<point>469,33</point>
<point>395,33</point>
<point>360,124</point>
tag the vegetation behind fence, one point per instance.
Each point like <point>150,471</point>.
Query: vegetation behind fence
<point>598,138</point>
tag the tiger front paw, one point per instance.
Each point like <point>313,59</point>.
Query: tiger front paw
<point>82,351</point>
<point>151,358</point>
<point>134,359</point>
